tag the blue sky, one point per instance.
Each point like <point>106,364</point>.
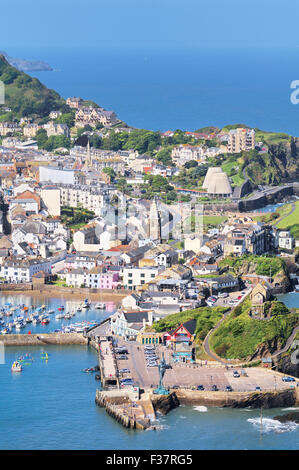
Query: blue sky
<point>149,23</point>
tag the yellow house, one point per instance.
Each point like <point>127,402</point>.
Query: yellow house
<point>149,337</point>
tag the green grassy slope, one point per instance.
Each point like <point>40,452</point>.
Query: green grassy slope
<point>26,96</point>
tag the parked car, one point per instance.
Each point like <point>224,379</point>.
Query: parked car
<point>124,371</point>
<point>236,373</point>
<point>214,388</point>
<point>200,387</point>
<point>258,388</point>
<point>128,379</point>
<point>223,295</point>
<point>288,379</point>
<point>122,357</point>
<point>228,388</point>
<point>127,384</point>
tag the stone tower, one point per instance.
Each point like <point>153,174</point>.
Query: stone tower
<point>154,222</point>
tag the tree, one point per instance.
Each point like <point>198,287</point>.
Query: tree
<point>164,155</point>
<point>110,172</point>
<point>41,137</point>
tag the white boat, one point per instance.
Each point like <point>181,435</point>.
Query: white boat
<point>59,316</point>
<point>51,311</point>
<point>100,305</point>
<point>16,367</point>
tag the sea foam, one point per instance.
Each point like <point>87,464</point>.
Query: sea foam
<point>201,409</point>
<point>272,425</point>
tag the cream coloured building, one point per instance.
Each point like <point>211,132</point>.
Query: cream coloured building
<point>51,199</point>
<point>241,139</point>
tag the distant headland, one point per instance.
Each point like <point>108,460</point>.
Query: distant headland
<point>27,65</point>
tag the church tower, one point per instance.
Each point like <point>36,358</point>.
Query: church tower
<point>154,222</point>
<point>88,159</point>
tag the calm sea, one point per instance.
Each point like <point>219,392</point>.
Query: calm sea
<point>50,405</point>
<point>163,89</point>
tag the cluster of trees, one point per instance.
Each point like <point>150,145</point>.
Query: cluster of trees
<point>158,185</point>
<point>53,142</point>
<point>191,175</point>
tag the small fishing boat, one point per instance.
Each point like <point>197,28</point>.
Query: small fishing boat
<point>16,367</point>
<point>60,308</point>
<point>45,321</point>
<point>100,305</point>
<point>50,311</point>
<point>59,316</point>
<point>86,304</point>
<point>79,309</point>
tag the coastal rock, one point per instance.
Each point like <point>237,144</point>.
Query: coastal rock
<point>165,403</point>
<point>281,279</point>
<point>286,366</point>
<point>27,65</point>
<point>293,416</point>
<point>266,400</point>
<point>265,349</point>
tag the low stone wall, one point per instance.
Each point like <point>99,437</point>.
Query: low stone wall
<point>271,399</point>
<point>42,339</point>
<point>16,287</point>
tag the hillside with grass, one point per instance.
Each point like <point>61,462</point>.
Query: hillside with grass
<point>253,264</point>
<point>242,337</point>
<point>206,318</point>
<point>275,159</point>
<point>25,95</point>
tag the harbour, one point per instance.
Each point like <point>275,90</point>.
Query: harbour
<point>52,406</point>
<point>56,390</point>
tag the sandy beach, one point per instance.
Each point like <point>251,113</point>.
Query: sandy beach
<point>115,297</point>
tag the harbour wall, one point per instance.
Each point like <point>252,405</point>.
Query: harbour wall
<point>120,403</point>
<point>43,339</point>
<point>116,404</point>
<point>269,399</point>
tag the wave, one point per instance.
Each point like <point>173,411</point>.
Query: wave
<point>294,408</point>
<point>272,425</point>
<point>201,409</point>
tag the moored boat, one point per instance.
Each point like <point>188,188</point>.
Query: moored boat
<point>100,305</point>
<point>16,367</point>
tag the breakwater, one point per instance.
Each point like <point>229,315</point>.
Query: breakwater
<point>42,339</point>
<point>125,407</point>
<point>136,410</point>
